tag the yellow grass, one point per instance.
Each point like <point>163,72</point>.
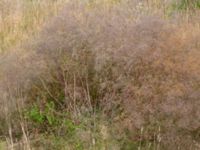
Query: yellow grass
<point>19,19</point>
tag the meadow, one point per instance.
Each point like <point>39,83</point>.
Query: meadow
<point>100,75</point>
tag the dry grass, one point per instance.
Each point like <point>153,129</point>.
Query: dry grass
<point>142,72</point>
<point>19,19</point>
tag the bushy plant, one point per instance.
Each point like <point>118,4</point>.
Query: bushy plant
<point>140,72</point>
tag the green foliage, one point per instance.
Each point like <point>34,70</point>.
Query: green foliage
<point>50,118</point>
<point>35,115</point>
<point>79,146</point>
<point>71,127</point>
<point>48,113</point>
<point>187,4</point>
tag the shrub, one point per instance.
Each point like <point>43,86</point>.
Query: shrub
<point>108,59</point>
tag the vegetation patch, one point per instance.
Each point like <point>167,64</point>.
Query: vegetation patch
<point>102,74</point>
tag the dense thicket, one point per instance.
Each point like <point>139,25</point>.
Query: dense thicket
<point>142,73</point>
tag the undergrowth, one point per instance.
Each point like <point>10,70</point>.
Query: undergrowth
<point>105,75</point>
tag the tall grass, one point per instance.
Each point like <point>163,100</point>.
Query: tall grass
<point>19,19</point>
<point>105,75</point>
